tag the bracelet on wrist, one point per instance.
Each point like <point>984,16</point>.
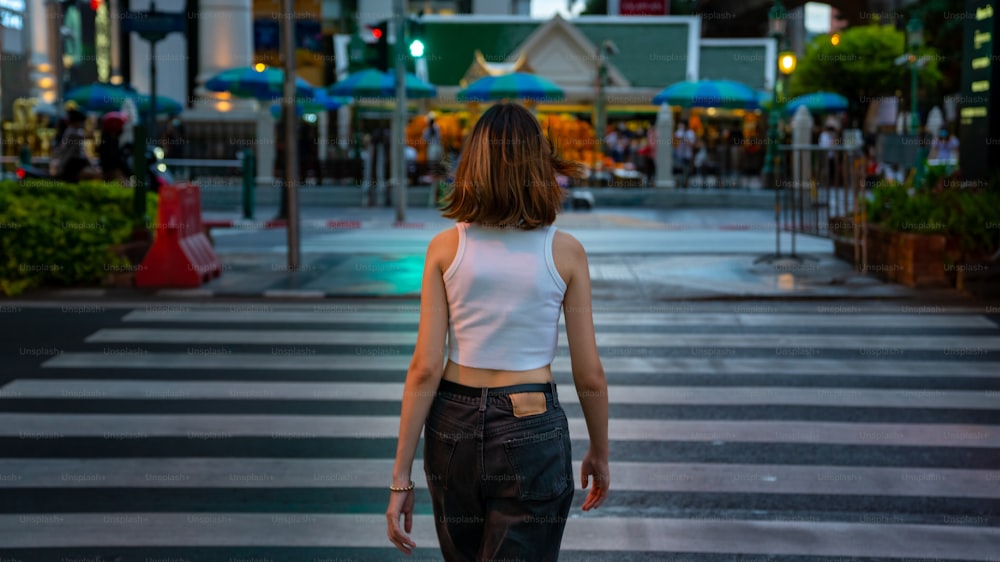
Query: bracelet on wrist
<point>403,489</point>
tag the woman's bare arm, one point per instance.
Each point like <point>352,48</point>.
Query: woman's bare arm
<point>588,373</point>
<point>426,367</point>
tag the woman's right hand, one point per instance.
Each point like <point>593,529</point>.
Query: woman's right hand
<point>595,466</point>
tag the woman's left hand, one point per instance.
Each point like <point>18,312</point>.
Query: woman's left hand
<point>400,503</point>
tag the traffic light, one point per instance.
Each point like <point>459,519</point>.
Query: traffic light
<point>380,49</point>
<point>415,36</point>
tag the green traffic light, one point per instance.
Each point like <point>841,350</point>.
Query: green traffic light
<point>417,48</point>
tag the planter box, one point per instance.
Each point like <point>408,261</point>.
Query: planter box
<point>841,231</point>
<point>918,259</point>
<point>914,260</point>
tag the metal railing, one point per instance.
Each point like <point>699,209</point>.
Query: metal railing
<point>190,169</point>
<point>817,184</point>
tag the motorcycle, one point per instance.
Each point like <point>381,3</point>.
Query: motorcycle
<point>156,168</point>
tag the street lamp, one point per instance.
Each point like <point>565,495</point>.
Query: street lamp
<point>914,38</point>
<point>776,22</point>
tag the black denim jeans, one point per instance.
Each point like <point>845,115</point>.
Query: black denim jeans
<point>501,485</point>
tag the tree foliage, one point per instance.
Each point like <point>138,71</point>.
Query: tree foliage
<point>861,67</point>
<point>943,31</point>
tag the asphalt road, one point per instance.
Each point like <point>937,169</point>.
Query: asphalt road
<point>225,430</point>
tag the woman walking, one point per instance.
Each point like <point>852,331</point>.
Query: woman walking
<point>496,446</point>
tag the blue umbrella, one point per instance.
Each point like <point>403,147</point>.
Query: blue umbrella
<point>727,94</point>
<point>164,105</point>
<point>101,97</point>
<point>818,102</point>
<point>263,83</point>
<point>516,85</point>
<point>322,102</point>
<point>373,83</point>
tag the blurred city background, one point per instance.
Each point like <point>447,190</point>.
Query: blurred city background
<point>210,268</point>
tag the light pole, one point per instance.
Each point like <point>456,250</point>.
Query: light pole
<point>777,22</point>
<point>600,107</point>
<point>914,37</point>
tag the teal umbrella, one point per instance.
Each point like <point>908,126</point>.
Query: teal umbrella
<point>164,105</point>
<point>373,83</point>
<point>100,97</point>
<point>818,102</point>
<point>267,83</point>
<point>322,102</point>
<point>727,94</point>
<point>516,85</point>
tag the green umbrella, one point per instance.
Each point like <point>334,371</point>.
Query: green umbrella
<point>373,83</point>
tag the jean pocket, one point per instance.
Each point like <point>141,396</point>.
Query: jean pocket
<point>439,450</point>
<point>540,464</point>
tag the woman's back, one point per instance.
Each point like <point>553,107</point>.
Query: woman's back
<point>565,261</point>
<point>497,448</point>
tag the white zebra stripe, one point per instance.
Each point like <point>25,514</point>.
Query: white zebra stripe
<point>714,344</point>
<point>280,359</point>
<point>408,316</point>
<point>392,392</point>
<point>196,426</point>
<point>373,473</point>
<point>586,533</point>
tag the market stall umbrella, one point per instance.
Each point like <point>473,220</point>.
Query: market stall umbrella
<point>517,85</point>
<point>373,83</point>
<point>726,94</point>
<point>258,82</point>
<point>164,105</point>
<point>101,97</point>
<point>818,102</point>
<point>322,102</point>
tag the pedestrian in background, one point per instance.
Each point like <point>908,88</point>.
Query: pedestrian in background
<point>684,140</point>
<point>497,454</point>
<point>435,150</point>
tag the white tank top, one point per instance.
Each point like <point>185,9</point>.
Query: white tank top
<point>504,298</point>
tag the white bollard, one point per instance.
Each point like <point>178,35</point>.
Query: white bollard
<point>665,147</point>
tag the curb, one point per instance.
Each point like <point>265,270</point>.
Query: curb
<point>332,224</point>
<point>312,223</point>
<point>312,294</point>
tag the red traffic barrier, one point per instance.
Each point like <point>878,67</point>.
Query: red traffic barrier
<point>181,255</point>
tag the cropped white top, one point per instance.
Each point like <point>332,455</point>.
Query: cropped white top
<point>504,298</point>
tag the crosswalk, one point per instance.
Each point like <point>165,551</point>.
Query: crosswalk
<point>226,432</point>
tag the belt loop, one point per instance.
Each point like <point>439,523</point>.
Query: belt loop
<point>555,397</point>
<point>482,400</point>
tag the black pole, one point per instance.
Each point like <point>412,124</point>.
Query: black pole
<point>152,84</point>
<point>139,169</point>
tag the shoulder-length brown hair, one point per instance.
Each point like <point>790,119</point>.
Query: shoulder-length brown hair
<point>507,173</point>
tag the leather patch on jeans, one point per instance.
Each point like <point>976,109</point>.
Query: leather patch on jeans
<point>528,403</point>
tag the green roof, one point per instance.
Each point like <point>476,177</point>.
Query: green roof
<point>451,47</point>
<point>743,63</point>
<point>653,55</point>
<point>649,55</point>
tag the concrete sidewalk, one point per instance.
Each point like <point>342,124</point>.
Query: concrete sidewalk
<point>646,255</point>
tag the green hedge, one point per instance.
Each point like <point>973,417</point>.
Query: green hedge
<point>53,233</point>
<point>972,215</point>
